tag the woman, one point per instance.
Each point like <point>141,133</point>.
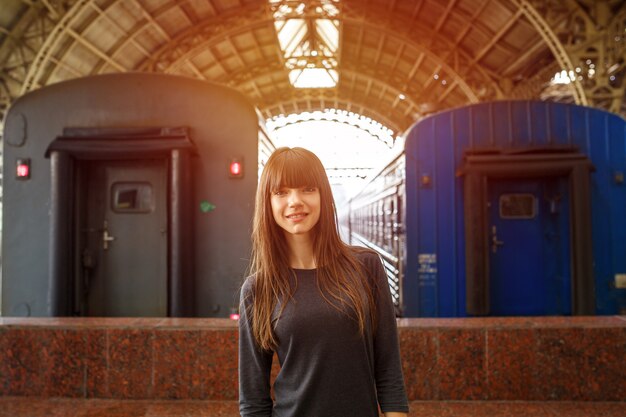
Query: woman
<point>323,307</point>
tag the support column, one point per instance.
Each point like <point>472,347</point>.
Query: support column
<point>180,289</point>
<point>59,248</point>
<point>476,246</point>
<point>583,292</point>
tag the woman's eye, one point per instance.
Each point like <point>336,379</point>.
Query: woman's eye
<point>310,189</point>
<point>280,192</point>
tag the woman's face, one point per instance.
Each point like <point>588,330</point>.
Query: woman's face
<point>296,210</point>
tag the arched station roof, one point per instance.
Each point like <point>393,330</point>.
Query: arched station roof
<point>396,61</point>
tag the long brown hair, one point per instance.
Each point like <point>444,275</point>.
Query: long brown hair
<point>339,274</point>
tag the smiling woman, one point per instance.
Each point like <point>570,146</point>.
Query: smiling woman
<point>323,307</point>
<point>296,210</point>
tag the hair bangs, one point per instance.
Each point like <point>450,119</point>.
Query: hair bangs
<point>294,169</point>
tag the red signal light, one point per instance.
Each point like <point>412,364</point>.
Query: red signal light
<point>22,171</point>
<point>235,169</point>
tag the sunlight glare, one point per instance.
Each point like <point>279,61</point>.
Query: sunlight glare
<point>349,153</point>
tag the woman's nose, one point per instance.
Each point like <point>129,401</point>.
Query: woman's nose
<point>294,198</point>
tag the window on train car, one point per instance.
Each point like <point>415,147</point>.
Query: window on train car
<point>518,206</point>
<point>132,197</point>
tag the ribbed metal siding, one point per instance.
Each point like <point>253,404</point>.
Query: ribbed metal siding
<point>435,147</point>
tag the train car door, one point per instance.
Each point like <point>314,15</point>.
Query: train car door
<point>124,238</point>
<point>529,251</point>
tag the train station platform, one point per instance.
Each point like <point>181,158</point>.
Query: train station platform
<point>547,366</point>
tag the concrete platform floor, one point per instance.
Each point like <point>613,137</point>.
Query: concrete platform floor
<point>65,407</point>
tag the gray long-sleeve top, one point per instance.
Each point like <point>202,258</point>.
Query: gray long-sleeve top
<point>327,368</point>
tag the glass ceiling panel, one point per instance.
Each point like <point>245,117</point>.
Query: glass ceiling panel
<point>290,34</point>
<point>313,78</point>
<point>329,32</point>
<point>309,40</point>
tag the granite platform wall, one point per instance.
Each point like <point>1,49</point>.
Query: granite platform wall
<point>511,359</point>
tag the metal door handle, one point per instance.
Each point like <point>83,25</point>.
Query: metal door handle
<point>106,237</point>
<point>494,240</point>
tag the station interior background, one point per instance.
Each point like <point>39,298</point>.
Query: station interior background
<point>344,78</point>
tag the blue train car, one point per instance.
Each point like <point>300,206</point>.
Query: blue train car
<point>514,208</point>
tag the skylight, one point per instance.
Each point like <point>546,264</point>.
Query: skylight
<point>313,78</point>
<point>308,34</point>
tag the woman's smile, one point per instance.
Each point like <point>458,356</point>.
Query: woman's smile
<point>297,217</point>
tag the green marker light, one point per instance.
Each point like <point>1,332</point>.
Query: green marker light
<point>206,207</point>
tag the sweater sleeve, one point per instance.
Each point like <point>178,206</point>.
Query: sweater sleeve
<point>389,379</point>
<point>254,363</point>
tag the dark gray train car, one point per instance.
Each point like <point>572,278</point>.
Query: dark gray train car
<point>128,195</point>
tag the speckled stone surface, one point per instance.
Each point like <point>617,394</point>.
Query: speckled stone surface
<point>511,364</point>
<point>21,365</point>
<point>542,359</point>
<point>176,365</point>
<point>96,363</point>
<point>130,361</point>
<point>218,365</point>
<point>461,364</point>
<point>418,350</point>
<point>66,407</point>
<point>519,358</point>
<point>63,355</point>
